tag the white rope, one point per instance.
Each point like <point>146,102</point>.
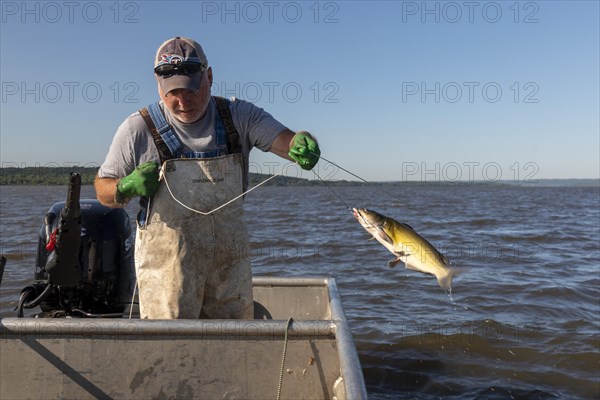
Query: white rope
<point>285,343</point>
<point>132,299</point>
<point>147,211</point>
<point>222,205</point>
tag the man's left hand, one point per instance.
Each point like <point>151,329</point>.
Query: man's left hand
<point>304,150</point>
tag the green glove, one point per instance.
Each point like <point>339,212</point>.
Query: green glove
<point>304,150</point>
<point>143,181</point>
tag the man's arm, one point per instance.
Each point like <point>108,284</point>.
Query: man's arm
<point>106,189</point>
<point>282,143</point>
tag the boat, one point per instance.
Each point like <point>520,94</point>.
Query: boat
<point>120,358</point>
<point>298,346</point>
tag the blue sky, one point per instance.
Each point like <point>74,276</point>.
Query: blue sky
<point>428,91</point>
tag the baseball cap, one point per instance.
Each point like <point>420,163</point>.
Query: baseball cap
<point>177,51</point>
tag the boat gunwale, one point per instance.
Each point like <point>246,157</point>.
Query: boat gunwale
<point>132,327</point>
<point>350,367</point>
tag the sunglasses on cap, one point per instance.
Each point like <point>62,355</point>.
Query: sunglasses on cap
<point>185,68</point>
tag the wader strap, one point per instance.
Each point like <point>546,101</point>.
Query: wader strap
<point>164,129</point>
<point>233,138</point>
<point>163,151</point>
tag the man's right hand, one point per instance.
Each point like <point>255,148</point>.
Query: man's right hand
<point>143,181</point>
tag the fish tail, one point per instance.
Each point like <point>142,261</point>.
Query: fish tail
<point>445,279</point>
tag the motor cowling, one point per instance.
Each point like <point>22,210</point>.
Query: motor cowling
<point>101,279</point>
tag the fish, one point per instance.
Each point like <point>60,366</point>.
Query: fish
<point>408,246</point>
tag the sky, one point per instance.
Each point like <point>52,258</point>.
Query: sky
<point>393,90</point>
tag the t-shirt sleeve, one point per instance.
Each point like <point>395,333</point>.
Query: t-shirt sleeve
<point>130,147</point>
<point>257,128</point>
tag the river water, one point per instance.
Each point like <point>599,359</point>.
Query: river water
<point>523,321</point>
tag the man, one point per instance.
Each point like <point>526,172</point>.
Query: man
<point>191,255</point>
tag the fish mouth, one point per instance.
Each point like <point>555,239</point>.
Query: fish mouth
<point>375,229</point>
<point>359,216</point>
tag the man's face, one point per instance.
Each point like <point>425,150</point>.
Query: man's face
<point>188,106</point>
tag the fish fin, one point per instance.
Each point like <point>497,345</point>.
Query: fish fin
<point>407,225</point>
<point>392,263</point>
<point>459,270</point>
<point>445,260</point>
<point>384,236</point>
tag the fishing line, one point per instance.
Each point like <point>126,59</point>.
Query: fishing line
<point>222,205</point>
<point>342,168</point>
<point>377,187</point>
<point>332,191</point>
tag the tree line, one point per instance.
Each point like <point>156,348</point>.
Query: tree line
<point>60,176</point>
<point>45,175</point>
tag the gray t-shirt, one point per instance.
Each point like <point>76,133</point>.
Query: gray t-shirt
<point>133,143</point>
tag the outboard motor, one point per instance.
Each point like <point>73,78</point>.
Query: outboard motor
<point>84,262</point>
